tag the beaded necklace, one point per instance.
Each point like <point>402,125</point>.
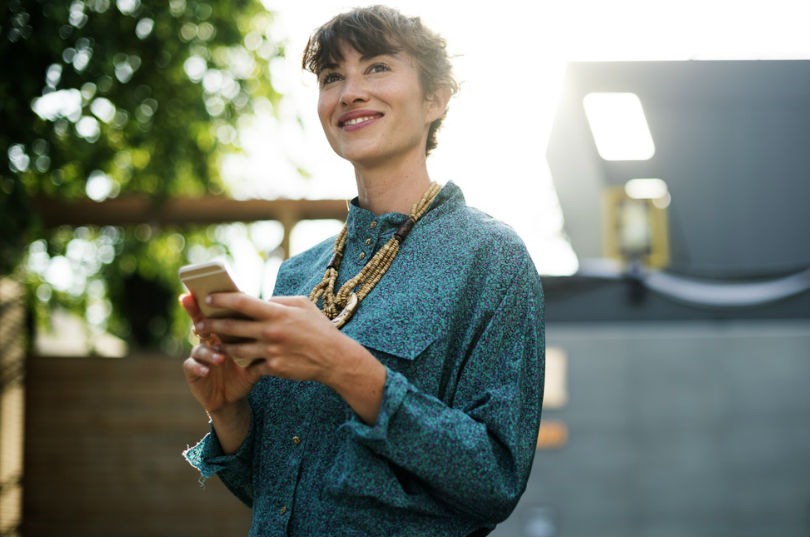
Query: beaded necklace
<point>340,307</point>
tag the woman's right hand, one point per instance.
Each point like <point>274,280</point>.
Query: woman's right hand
<point>219,385</point>
<point>215,380</point>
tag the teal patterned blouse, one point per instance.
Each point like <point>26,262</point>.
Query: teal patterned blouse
<point>458,322</point>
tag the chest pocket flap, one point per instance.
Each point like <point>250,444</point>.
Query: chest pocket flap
<point>400,322</point>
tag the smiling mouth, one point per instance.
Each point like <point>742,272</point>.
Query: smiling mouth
<point>357,120</point>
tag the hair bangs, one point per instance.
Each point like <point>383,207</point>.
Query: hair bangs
<point>368,37</point>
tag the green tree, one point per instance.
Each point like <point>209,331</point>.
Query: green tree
<point>102,98</point>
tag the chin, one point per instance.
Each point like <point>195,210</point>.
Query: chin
<point>359,156</point>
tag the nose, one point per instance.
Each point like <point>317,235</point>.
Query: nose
<point>354,90</point>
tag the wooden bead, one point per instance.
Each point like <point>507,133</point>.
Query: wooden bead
<point>339,307</point>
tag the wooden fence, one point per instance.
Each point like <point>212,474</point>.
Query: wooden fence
<point>103,453</point>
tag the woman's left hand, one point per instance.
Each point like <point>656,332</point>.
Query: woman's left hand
<point>291,338</point>
<point>289,334</point>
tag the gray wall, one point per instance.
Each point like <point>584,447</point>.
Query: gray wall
<point>676,429</point>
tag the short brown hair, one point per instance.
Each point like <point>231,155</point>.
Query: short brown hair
<point>377,30</point>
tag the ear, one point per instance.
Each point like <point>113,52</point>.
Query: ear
<point>436,103</point>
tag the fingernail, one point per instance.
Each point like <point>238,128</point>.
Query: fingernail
<point>199,327</point>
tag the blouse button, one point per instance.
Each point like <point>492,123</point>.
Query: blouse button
<point>368,242</point>
<point>296,440</point>
<point>362,255</point>
<point>373,224</point>
<point>283,509</point>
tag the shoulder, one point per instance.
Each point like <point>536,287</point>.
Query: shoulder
<point>476,258</point>
<point>469,233</point>
<point>489,231</point>
<point>457,222</point>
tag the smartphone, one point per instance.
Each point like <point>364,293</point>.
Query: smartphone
<point>202,279</point>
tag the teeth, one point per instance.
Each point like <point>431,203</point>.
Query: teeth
<point>357,120</point>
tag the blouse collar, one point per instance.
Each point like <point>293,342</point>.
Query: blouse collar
<point>360,220</point>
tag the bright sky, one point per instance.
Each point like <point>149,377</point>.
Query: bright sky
<point>510,60</point>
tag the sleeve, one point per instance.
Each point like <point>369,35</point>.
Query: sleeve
<point>234,469</point>
<point>475,454</point>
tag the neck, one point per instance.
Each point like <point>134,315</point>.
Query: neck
<point>391,190</point>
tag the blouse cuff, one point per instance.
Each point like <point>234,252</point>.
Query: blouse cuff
<point>207,456</point>
<point>394,392</point>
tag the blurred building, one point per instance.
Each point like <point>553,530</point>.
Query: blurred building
<point>685,335</point>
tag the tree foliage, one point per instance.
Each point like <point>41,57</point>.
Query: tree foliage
<point>101,98</point>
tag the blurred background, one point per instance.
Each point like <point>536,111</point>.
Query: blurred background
<point>654,156</point>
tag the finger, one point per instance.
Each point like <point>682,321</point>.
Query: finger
<point>207,356</point>
<point>245,353</point>
<point>245,304</point>
<point>272,367</point>
<point>290,301</point>
<point>194,369</point>
<point>189,304</point>
<point>236,328</point>
<point>264,360</point>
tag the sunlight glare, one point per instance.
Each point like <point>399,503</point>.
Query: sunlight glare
<point>619,126</point>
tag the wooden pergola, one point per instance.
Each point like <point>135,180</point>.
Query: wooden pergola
<point>133,210</point>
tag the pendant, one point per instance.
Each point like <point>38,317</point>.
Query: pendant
<point>343,317</point>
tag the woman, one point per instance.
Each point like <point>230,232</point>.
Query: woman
<point>397,373</point>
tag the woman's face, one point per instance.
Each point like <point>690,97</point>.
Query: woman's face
<point>373,110</point>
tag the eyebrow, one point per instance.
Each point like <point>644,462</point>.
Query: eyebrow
<point>366,57</point>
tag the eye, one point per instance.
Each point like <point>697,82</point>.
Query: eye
<point>330,77</point>
<point>378,67</point>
